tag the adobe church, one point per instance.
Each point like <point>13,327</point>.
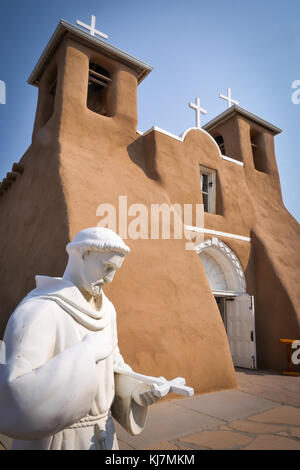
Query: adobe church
<point>191,313</point>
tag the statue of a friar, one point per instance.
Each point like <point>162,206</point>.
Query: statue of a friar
<point>64,376</point>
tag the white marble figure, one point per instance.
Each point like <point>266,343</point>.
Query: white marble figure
<point>59,387</point>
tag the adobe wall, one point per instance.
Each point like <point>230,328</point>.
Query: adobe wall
<point>275,243</point>
<point>34,225</point>
<point>171,171</point>
<point>168,321</point>
<point>163,320</point>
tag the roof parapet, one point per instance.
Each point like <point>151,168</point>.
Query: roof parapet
<point>64,28</point>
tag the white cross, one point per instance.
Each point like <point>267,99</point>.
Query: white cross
<point>228,98</point>
<point>199,111</point>
<point>92,29</point>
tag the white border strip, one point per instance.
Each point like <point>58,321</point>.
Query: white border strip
<point>232,160</point>
<point>162,131</point>
<point>215,232</point>
<point>182,137</point>
<point>224,293</point>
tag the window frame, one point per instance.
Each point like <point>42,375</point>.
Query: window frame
<point>211,200</point>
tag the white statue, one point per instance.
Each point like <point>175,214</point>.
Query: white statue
<point>64,375</point>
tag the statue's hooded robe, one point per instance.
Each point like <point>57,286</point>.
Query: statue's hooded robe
<point>52,393</point>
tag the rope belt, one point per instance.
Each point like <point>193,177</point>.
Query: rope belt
<point>89,421</point>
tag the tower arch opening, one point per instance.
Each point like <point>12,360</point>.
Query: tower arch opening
<point>221,144</point>
<point>98,85</point>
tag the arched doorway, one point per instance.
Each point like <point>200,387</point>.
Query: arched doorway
<point>227,282</point>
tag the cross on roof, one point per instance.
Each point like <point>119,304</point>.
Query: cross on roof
<point>92,28</point>
<point>199,111</point>
<point>228,98</point>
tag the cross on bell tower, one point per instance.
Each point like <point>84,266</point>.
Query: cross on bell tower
<point>228,98</point>
<point>92,28</point>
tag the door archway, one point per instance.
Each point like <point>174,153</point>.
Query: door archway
<point>227,282</point>
<point>222,267</point>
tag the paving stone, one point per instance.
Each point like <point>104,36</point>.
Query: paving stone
<point>218,440</point>
<point>167,422</point>
<point>256,428</point>
<point>281,414</point>
<point>228,405</point>
<point>267,442</point>
<point>124,446</point>
<point>166,445</point>
<point>295,432</point>
<point>189,446</point>
<point>270,385</point>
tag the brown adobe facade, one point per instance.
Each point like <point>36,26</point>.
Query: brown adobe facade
<point>168,320</point>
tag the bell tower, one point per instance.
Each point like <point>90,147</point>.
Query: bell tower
<point>85,119</point>
<point>247,138</point>
<point>85,84</point>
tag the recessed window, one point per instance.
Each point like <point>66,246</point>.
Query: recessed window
<point>52,87</point>
<point>48,104</point>
<point>99,81</point>
<point>220,141</point>
<point>258,151</point>
<point>208,189</point>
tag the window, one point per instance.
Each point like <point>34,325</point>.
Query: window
<point>258,151</point>
<point>208,188</point>
<point>99,81</point>
<point>52,88</point>
<point>220,141</point>
<point>49,102</point>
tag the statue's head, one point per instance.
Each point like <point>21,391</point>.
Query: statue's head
<point>95,254</point>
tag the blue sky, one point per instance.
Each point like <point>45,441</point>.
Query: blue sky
<point>197,48</point>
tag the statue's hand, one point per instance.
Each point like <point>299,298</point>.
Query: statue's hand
<point>99,345</point>
<point>144,396</point>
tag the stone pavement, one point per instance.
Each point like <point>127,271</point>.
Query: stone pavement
<point>262,413</point>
